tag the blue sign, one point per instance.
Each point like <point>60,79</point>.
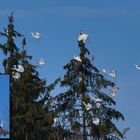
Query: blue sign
<point>4,107</point>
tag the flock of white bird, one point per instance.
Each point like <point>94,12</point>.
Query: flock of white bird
<point>98,102</point>
<point>18,69</point>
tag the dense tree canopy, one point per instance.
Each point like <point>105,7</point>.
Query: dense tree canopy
<point>86,107</point>
<point>84,111</point>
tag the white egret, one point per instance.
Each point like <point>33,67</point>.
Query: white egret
<point>36,35</point>
<point>114,91</point>
<point>16,75</point>
<point>77,58</point>
<point>137,67</point>
<point>83,37</point>
<point>18,68</point>
<point>41,61</point>
<point>87,106</point>
<point>96,99</point>
<point>97,102</point>
<point>113,73</point>
<point>96,121</point>
<point>104,71</point>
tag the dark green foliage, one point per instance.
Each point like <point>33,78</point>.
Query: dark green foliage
<point>29,119</point>
<point>37,115</point>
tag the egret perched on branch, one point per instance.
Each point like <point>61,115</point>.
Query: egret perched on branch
<point>87,106</point>
<point>96,99</point>
<point>104,71</point>
<point>55,122</point>
<point>97,102</point>
<point>77,58</point>
<point>36,35</point>
<point>137,67</point>
<point>82,37</point>
<point>114,91</point>
<point>16,75</point>
<point>96,121</point>
<point>18,68</point>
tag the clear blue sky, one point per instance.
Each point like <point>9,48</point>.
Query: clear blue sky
<point>4,101</point>
<point>114,30</point>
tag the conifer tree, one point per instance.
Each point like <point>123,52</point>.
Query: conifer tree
<point>86,108</point>
<point>28,92</point>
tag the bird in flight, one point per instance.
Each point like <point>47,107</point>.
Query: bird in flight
<point>87,106</point>
<point>137,67</point>
<point>41,61</point>
<point>82,37</point>
<point>77,58</point>
<point>113,73</point>
<point>36,35</point>
<point>18,68</point>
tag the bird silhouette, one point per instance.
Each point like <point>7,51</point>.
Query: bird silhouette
<point>41,61</point>
<point>87,106</point>
<point>113,73</point>
<point>77,58</point>
<point>137,67</point>
<point>96,121</point>
<point>16,75</point>
<point>98,102</point>
<point>18,68</point>
<point>36,35</point>
<point>104,71</point>
<point>114,91</point>
<point>96,99</point>
<point>82,37</point>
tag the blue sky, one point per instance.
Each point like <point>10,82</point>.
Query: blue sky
<point>4,101</point>
<point>113,27</point>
